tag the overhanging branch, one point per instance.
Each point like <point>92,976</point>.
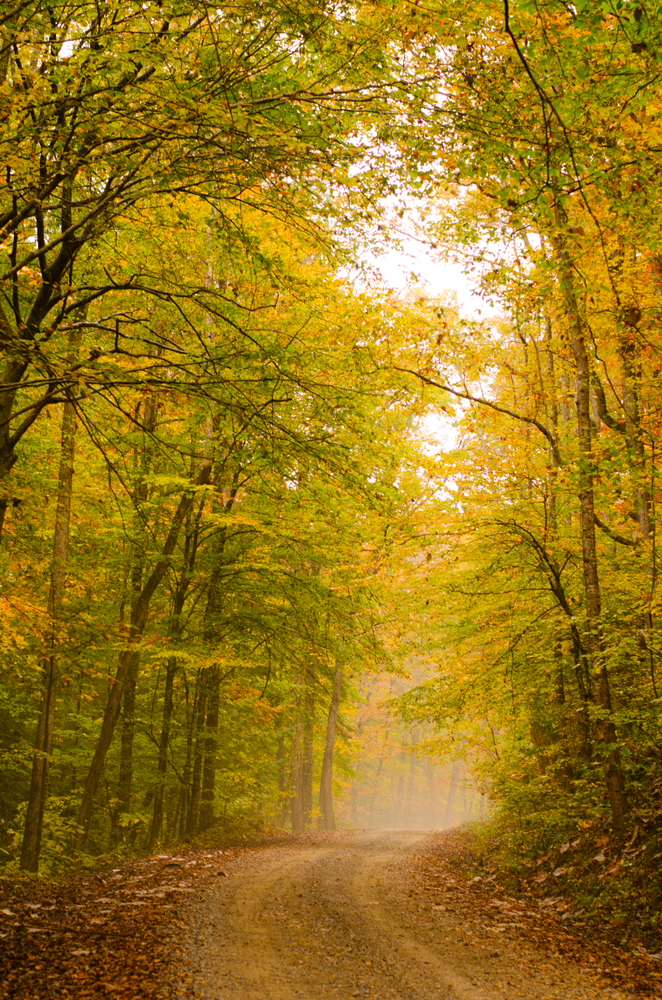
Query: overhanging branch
<point>493,406</point>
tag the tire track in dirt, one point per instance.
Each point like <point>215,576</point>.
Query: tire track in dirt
<point>339,917</point>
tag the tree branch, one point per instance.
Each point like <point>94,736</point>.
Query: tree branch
<point>621,539</point>
<point>493,406</point>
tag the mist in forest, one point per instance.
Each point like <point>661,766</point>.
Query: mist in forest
<point>410,793</point>
<point>389,779</point>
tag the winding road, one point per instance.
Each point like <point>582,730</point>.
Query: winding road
<point>343,916</point>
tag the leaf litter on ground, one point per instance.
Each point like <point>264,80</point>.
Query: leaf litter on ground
<point>532,912</point>
<point>113,933</point>
<point>118,932</point>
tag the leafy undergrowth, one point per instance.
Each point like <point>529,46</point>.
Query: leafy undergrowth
<point>541,904</point>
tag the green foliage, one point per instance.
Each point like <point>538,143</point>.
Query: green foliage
<point>253,501</point>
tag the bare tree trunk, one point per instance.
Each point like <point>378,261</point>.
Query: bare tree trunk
<point>375,789</point>
<point>600,679</point>
<point>209,720</point>
<point>34,818</point>
<point>411,781</point>
<point>185,793</point>
<point>327,820</point>
<point>296,768</point>
<point>211,627</point>
<point>307,748</point>
<point>393,804</point>
<point>190,548</point>
<point>199,716</point>
<point>631,403</point>
<point>450,801</point>
<point>281,762</point>
<point>630,351</point>
<point>12,375</point>
<point>162,765</point>
<point>210,745</point>
<point>125,776</point>
<point>126,660</point>
<point>399,803</point>
<point>143,462</point>
<point>5,48</point>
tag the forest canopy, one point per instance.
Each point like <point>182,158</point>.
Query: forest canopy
<point>224,526</point>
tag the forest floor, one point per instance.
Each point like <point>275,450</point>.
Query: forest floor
<point>370,914</point>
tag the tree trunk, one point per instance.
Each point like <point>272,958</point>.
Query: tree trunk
<point>34,817</point>
<point>162,765</point>
<point>209,742</point>
<point>199,715</point>
<point>138,622</point>
<point>125,777</point>
<point>142,462</point>
<point>211,629</point>
<point>307,749</point>
<point>210,749</point>
<point>376,788</point>
<point>12,376</point>
<point>400,800</point>
<point>634,436</point>
<point>450,801</point>
<point>600,679</point>
<point>327,820</point>
<point>281,762</point>
<point>187,773</point>
<point>409,805</point>
<point>296,797</point>
<point>190,549</point>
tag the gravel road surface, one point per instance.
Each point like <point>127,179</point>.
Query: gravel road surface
<point>341,916</point>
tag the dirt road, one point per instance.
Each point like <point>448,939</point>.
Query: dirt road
<point>341,917</point>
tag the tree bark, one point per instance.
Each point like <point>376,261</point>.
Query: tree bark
<point>186,780</point>
<point>605,727</point>
<point>164,740</point>
<point>296,798</point>
<point>210,745</point>
<point>213,612</point>
<point>127,657</point>
<point>209,720</point>
<point>190,549</point>
<point>632,406</point>
<point>327,820</point>
<point>411,781</point>
<point>400,800</point>
<point>450,801</point>
<point>376,788</point>
<point>307,748</point>
<point>281,762</point>
<point>125,777</point>
<point>199,715</point>
<point>143,462</point>
<point>31,846</point>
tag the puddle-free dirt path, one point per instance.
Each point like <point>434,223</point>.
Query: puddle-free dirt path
<point>338,916</point>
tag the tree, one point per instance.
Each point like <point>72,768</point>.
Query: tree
<point>537,138</point>
<point>118,111</point>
